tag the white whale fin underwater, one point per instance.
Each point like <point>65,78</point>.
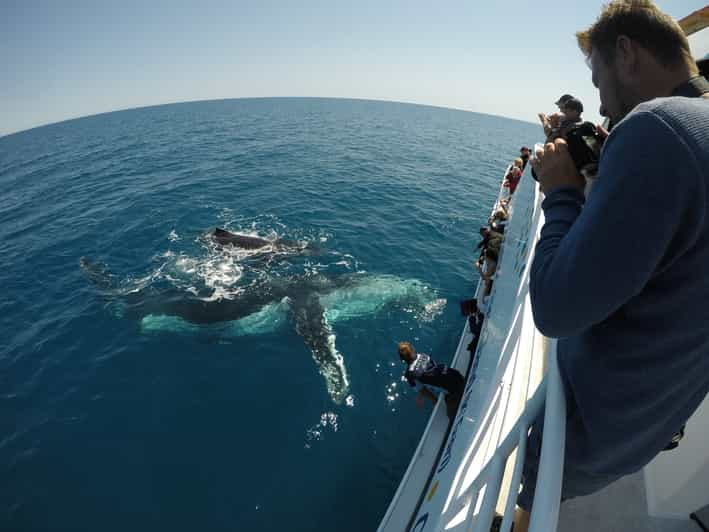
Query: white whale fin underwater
<point>269,319</point>
<point>312,304</point>
<point>372,294</point>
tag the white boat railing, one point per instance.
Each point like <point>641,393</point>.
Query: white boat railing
<point>482,496</point>
<point>462,473</point>
<point>545,512</point>
<point>472,502</point>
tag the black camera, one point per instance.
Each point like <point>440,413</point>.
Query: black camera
<point>584,144</point>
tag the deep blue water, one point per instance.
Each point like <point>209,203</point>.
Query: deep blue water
<point>112,418</point>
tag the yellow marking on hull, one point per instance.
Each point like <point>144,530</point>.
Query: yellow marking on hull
<point>432,492</point>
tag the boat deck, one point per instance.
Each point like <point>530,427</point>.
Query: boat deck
<point>620,507</point>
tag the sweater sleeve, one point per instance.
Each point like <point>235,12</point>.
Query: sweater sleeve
<point>589,262</point>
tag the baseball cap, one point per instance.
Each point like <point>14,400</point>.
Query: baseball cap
<point>574,104</point>
<point>565,98</point>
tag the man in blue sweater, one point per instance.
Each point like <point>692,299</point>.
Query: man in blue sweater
<point>628,307</point>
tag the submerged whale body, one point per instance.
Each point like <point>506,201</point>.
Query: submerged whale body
<point>312,303</point>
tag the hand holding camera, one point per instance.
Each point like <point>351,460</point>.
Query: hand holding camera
<point>554,166</point>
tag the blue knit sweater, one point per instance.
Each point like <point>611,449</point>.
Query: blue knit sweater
<point>624,284</point>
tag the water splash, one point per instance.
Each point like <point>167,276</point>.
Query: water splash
<point>328,422</point>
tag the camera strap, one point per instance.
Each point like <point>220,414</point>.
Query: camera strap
<point>695,87</point>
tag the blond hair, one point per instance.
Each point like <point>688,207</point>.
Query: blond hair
<point>406,349</point>
<point>643,22</point>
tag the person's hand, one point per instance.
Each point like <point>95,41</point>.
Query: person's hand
<point>602,132</point>
<point>546,125</point>
<point>555,119</point>
<point>555,167</point>
<point>419,401</point>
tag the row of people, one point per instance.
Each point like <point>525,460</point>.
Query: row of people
<point>493,233</point>
<point>422,372</point>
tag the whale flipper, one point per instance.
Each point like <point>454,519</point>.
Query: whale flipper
<point>312,325</point>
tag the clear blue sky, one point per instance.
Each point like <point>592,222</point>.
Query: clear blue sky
<point>513,58</point>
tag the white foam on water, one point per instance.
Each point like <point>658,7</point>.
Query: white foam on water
<point>391,392</point>
<point>219,272</point>
<point>432,309</point>
<point>328,422</point>
<point>136,285</point>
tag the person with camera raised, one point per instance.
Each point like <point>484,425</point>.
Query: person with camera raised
<point>569,118</point>
<point>633,347</point>
<point>553,121</point>
<point>584,139</point>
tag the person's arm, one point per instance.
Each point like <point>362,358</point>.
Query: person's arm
<point>424,392</point>
<point>544,119</point>
<point>644,211</point>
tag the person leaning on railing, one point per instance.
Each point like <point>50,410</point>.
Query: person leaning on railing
<point>633,347</point>
<point>524,155</point>
<point>423,373</point>
<point>514,175</point>
<point>499,218</point>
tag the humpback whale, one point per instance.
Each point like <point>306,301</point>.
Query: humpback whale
<point>312,303</point>
<point>251,242</point>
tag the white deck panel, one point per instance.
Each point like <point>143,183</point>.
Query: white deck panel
<point>621,507</point>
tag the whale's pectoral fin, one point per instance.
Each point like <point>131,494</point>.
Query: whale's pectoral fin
<point>312,325</point>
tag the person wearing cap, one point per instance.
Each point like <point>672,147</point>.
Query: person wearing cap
<point>561,102</point>
<point>491,239</point>
<point>572,117</point>
<point>554,120</point>
<point>524,155</point>
<point>572,110</point>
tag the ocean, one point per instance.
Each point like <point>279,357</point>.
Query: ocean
<point>152,379</point>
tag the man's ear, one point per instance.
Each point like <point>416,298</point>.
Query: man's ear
<point>626,56</point>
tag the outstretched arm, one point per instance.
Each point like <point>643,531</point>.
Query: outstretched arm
<point>424,392</point>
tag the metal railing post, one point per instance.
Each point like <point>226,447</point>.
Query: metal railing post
<point>547,493</point>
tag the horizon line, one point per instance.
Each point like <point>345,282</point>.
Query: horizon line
<point>80,117</point>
